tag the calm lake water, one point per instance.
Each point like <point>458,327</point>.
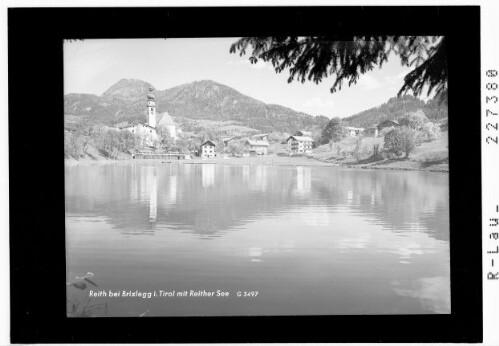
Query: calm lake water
<point>309,240</point>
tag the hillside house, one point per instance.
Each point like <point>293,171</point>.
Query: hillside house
<point>146,133</point>
<point>354,131</point>
<point>227,140</point>
<point>387,123</point>
<point>260,137</point>
<point>300,144</point>
<point>207,150</point>
<point>303,134</point>
<point>372,130</point>
<point>257,147</point>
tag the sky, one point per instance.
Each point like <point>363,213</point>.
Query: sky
<point>92,66</point>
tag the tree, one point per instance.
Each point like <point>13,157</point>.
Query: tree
<point>415,120</point>
<point>402,140</point>
<point>165,141</point>
<point>431,131</point>
<point>333,131</point>
<point>316,58</point>
<point>236,147</point>
<point>357,148</point>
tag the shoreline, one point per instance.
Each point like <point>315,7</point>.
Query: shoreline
<point>390,165</point>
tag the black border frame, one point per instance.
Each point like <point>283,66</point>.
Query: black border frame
<point>37,177</point>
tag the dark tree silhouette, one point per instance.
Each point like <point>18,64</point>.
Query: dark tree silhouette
<point>315,58</point>
<point>333,131</point>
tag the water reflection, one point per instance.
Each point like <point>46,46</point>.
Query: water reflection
<point>303,180</point>
<point>208,175</point>
<point>333,231</point>
<point>433,293</point>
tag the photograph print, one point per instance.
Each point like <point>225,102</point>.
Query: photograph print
<point>256,176</point>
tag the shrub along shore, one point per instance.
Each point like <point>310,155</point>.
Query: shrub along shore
<point>275,160</point>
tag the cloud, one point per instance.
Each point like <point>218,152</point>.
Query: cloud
<point>318,102</point>
<point>369,82</point>
<point>258,66</point>
<point>397,79</point>
<point>317,105</point>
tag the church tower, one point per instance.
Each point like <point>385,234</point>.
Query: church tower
<point>151,108</point>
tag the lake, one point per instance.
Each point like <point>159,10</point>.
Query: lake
<point>309,240</point>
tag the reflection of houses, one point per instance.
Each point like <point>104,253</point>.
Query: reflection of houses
<point>246,173</point>
<point>354,131</point>
<point>208,175</point>
<point>303,180</point>
<point>259,180</point>
<point>207,149</point>
<point>146,132</point>
<point>257,147</point>
<point>300,144</point>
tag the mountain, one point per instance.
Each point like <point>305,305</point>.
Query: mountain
<point>206,100</point>
<point>395,108</point>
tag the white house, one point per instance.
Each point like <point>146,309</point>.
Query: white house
<point>147,134</point>
<point>354,131</point>
<point>300,144</point>
<point>207,150</point>
<point>258,147</point>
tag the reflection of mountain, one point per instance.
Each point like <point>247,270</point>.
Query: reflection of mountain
<point>397,200</point>
<point>208,199</point>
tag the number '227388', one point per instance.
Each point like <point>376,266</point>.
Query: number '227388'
<point>491,86</point>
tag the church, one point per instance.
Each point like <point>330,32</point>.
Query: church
<point>148,131</point>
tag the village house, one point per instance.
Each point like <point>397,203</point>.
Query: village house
<point>300,144</point>
<point>260,137</point>
<point>207,150</point>
<point>257,147</point>
<point>372,130</point>
<point>354,131</point>
<point>387,123</point>
<point>303,133</point>
<point>227,140</point>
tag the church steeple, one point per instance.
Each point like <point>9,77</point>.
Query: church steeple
<point>151,108</point>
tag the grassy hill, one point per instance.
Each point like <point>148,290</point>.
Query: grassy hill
<point>395,108</point>
<point>429,155</point>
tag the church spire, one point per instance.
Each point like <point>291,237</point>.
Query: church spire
<point>151,108</point>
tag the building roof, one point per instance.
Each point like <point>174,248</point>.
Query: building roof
<point>260,135</point>
<point>354,128</point>
<point>165,120</point>
<point>133,125</point>
<point>209,143</point>
<point>304,133</point>
<point>301,138</point>
<point>388,120</point>
<point>258,143</point>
